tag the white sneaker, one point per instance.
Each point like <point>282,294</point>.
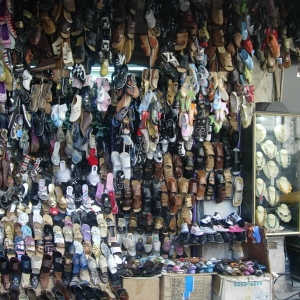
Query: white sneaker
<point>195,230</point>
<point>62,109</point>
<point>27,77</point>
<point>184,228</point>
<point>220,228</point>
<point>75,108</point>
<point>217,216</point>
<point>206,219</point>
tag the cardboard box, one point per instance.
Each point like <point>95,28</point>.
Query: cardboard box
<point>142,288</point>
<point>242,287</point>
<point>185,287</point>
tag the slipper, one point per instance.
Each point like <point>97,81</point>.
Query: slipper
<point>238,191</point>
<point>111,226</point>
<point>55,158</point>
<point>96,235</point>
<point>102,225</point>
<point>110,182</point>
<point>67,55</point>
<point>125,159</point>
<point>256,234</point>
<point>86,200</point>
<point>93,177</point>
<point>99,192</point>
<point>77,233</point>
<point>68,234</point>
<point>86,232</point>
<point>115,159</point>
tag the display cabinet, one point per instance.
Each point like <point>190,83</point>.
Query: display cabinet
<point>275,167</point>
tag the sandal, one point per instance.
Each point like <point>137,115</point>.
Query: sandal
<point>169,57</point>
<point>209,155</point>
<point>228,182</point>
<point>67,55</point>
<point>211,185</point>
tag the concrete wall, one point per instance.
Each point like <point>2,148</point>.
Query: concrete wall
<point>291,89</point>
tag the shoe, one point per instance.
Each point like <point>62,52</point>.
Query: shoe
<point>235,217</point>
<point>39,122</point>
<point>211,238</point>
<point>218,238</point>
<point>217,216</point>
<point>202,239</point>
<point>206,220</point>
<point>27,77</point>
<point>27,116</point>
<point>75,108</point>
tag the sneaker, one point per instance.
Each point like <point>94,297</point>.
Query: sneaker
<point>207,230</point>
<point>202,239</point>
<point>194,239</point>
<point>235,217</point>
<point>226,236</point>
<point>217,216</point>
<point>206,220</point>
<point>220,228</point>
<point>27,116</point>
<point>211,238</point>
<point>27,77</point>
<point>218,238</point>
<point>184,228</point>
<point>195,230</point>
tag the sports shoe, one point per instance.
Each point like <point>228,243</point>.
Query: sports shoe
<point>206,219</point>
<point>202,239</point>
<point>196,230</point>
<point>184,228</point>
<point>220,228</point>
<point>217,216</point>
<point>218,238</point>
<point>27,116</point>
<point>211,238</point>
<point>235,218</point>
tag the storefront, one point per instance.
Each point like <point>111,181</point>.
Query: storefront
<point>145,150</point>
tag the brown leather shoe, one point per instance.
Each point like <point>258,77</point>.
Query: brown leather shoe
<point>158,171</point>
<point>45,270</point>
<point>85,121</point>
<point>136,195</point>
<point>178,166</point>
<point>176,204</point>
<point>219,156</point>
<point>209,156</point>
<point>168,166</point>
<point>47,23</point>
<point>5,172</point>
<point>35,95</point>
<point>201,184</point>
<point>127,195</point>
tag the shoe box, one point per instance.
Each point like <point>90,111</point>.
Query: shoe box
<point>242,287</point>
<point>185,286</point>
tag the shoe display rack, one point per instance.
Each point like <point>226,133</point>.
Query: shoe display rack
<point>119,173</point>
<point>275,172</point>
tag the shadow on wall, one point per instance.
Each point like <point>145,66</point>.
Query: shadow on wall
<point>291,88</point>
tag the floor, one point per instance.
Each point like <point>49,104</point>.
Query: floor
<point>294,289</point>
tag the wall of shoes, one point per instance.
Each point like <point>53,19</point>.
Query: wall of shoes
<point>276,158</point>
<point>108,177</point>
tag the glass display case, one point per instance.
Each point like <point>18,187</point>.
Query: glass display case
<point>276,184</point>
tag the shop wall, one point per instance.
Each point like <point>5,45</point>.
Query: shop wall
<point>291,88</point>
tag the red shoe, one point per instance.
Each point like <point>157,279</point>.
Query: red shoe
<point>247,44</point>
